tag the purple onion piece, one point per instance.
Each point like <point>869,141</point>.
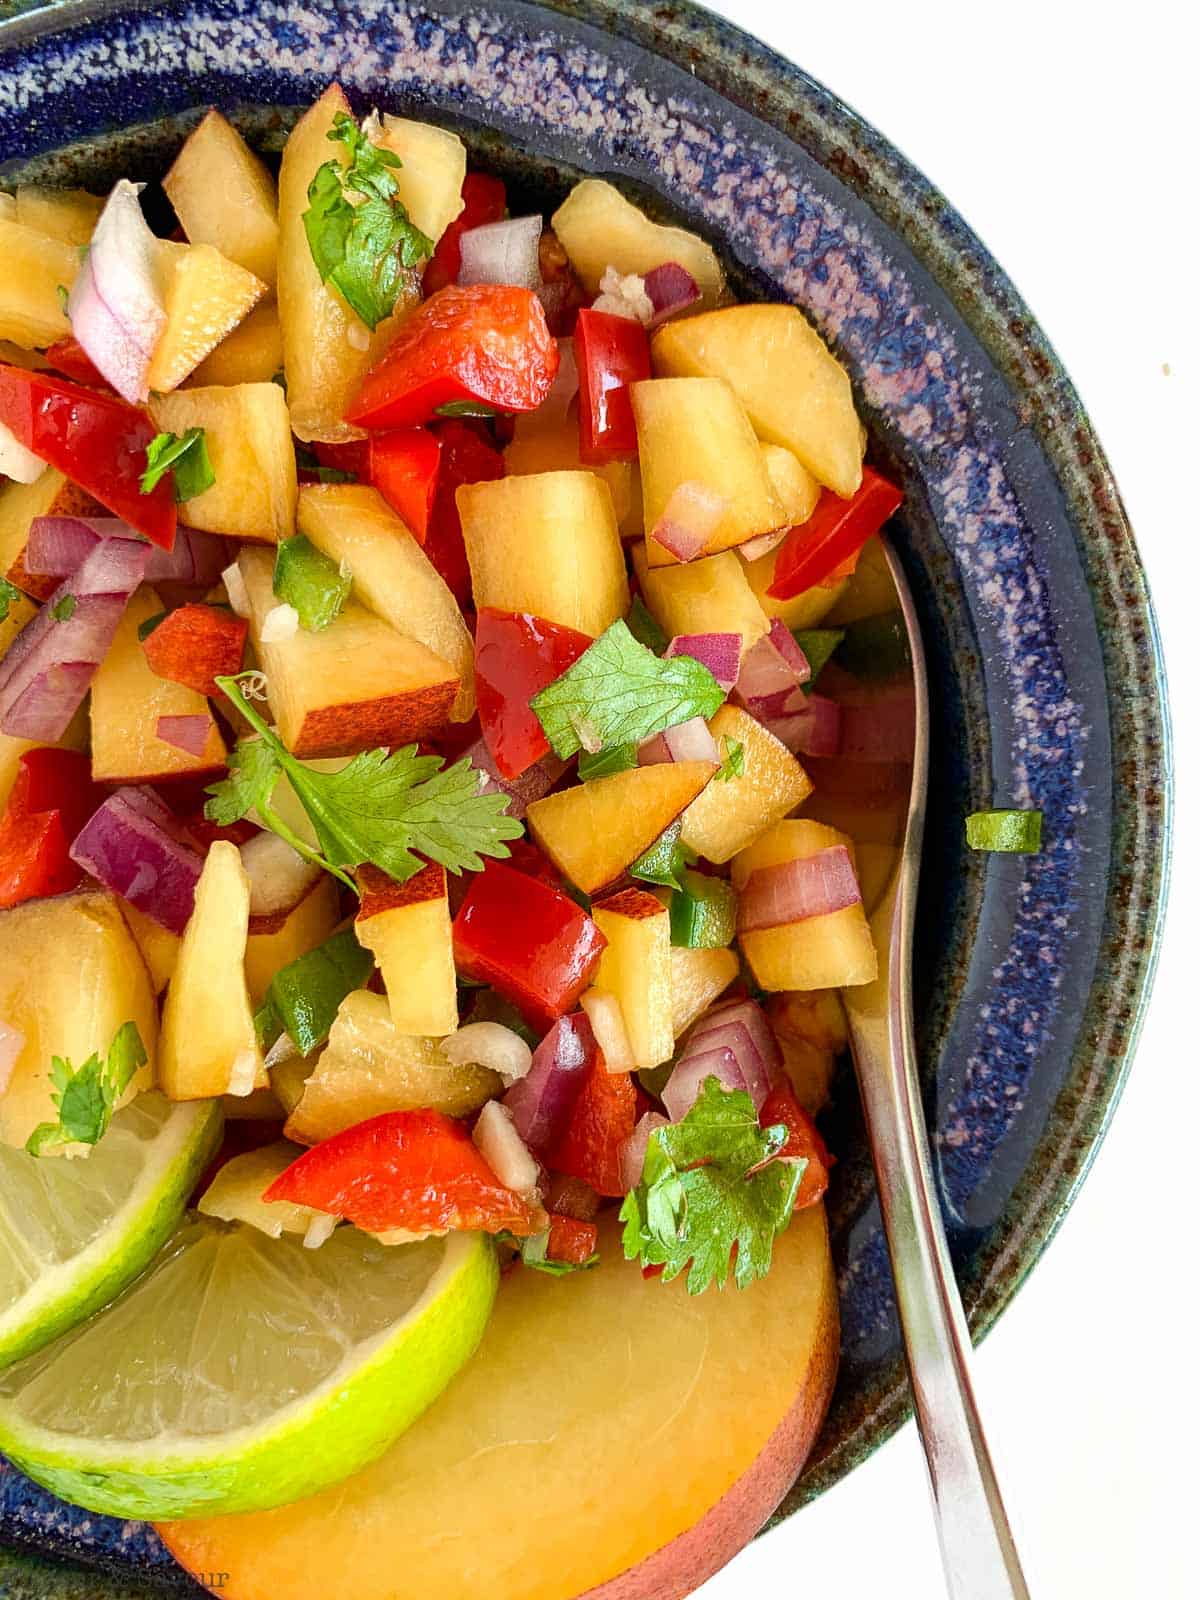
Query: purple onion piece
<point>793,891</point>
<point>754,1017</point>
<point>542,1101</point>
<point>683,1086</point>
<point>132,854</point>
<point>721,653</point>
<point>633,1150</point>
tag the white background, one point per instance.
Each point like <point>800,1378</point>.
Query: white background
<point>1061,133</point>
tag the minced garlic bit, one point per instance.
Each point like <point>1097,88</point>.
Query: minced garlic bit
<point>624,297</point>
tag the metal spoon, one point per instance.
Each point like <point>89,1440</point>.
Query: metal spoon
<point>978,1552</point>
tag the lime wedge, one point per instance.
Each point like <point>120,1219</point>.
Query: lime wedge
<point>73,1233</point>
<point>243,1372</point>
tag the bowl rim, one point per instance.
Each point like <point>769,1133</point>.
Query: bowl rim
<point>784,97</point>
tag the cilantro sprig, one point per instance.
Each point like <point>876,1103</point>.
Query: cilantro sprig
<point>711,1182</point>
<point>619,692</point>
<point>86,1097</point>
<point>364,248</point>
<point>733,759</point>
<point>186,457</point>
<point>383,807</point>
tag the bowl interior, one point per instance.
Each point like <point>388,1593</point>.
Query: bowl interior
<point>1031,971</point>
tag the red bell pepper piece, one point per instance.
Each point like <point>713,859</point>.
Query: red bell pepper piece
<point>837,530</point>
<point>51,798</point>
<point>466,457</point>
<point>803,1142</point>
<point>516,655</point>
<point>96,439</point>
<point>533,944</point>
<point>570,1240</point>
<point>611,353</point>
<point>483,344</point>
<point>405,1169</point>
<point>195,645</point>
<point>603,1118</point>
<point>484,200</point>
<point>403,466</point>
<point>347,455</point>
<point>70,358</point>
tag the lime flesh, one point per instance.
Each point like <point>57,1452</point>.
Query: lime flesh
<point>74,1233</point>
<point>243,1372</point>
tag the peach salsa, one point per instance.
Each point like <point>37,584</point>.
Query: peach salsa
<point>412,625</point>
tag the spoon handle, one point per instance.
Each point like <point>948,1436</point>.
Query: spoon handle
<point>978,1552</point>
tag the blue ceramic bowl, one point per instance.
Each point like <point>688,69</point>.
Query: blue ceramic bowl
<point>1048,678</point>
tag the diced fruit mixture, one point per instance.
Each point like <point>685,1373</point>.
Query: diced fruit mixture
<point>450,693</point>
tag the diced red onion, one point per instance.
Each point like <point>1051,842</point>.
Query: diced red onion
<point>683,1086</point>
<point>814,730</point>
<point>654,752</point>
<point>492,1045</point>
<point>793,891</point>
<point>669,288</point>
<point>691,741</point>
<point>542,1101</point>
<point>46,671</point>
<point>689,519</point>
<point>115,306</point>
<point>126,847</point>
<point>883,729</point>
<point>736,1036</point>
<point>17,463</point>
<point>12,1042</point>
<point>633,1150</point>
<point>280,877</point>
<point>754,1019</point>
<point>537,781</point>
<point>58,545</point>
<point>235,588</point>
<point>768,684</point>
<point>502,252</point>
<point>502,1147</point>
<point>188,733</point>
<point>604,1012</point>
<point>721,653</point>
<point>762,544</point>
<point>571,1197</point>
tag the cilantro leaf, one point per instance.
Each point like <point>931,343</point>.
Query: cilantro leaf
<point>664,860</point>
<point>532,1251</point>
<point>709,1183</point>
<point>622,692</point>
<point>617,758</point>
<point>9,595</point>
<point>365,249</point>
<point>86,1097</point>
<point>186,457</point>
<point>386,808</point>
<point>63,610</point>
<point>733,759</point>
<point>644,628</point>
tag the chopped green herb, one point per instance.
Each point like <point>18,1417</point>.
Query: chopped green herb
<point>9,595</point>
<point>465,408</point>
<point>307,462</point>
<point>383,807</point>
<point>64,296</point>
<point>304,996</point>
<point>703,912</point>
<point>644,628</point>
<point>63,610</point>
<point>876,648</point>
<point>1019,832</point>
<point>617,758</point>
<point>624,693</point>
<point>186,457</point>
<point>85,1098</point>
<point>365,249</point>
<point>818,644</point>
<point>733,759</point>
<point>532,1252</point>
<point>309,580</point>
<point>711,1182</point>
<point>664,860</point>
<point>146,628</point>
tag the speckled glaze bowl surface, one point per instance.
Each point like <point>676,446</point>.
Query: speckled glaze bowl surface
<point>1033,972</point>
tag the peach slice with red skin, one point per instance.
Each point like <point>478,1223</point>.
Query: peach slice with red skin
<point>527,1479</point>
